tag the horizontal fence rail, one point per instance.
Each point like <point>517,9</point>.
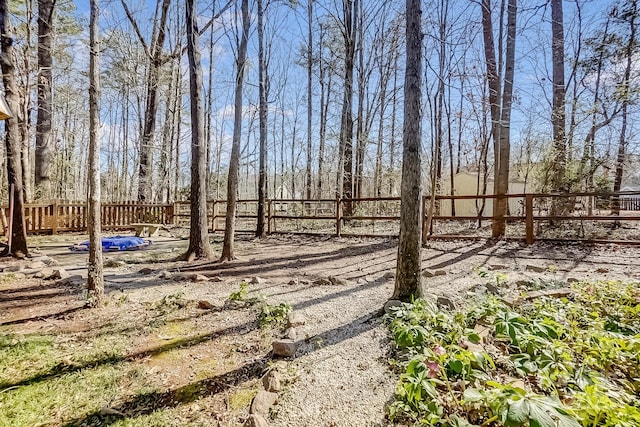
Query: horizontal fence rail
<point>575,216</point>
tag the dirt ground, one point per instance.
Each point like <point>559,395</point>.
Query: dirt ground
<point>340,375</point>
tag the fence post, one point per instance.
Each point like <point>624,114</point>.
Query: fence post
<point>528,223</point>
<point>54,215</point>
<point>338,216</point>
<point>269,216</point>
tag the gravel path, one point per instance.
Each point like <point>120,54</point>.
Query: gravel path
<point>343,378</point>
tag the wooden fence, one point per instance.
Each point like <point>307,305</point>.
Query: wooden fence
<point>528,216</point>
<point>72,216</point>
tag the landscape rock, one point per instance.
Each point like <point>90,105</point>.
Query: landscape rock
<point>272,381</point>
<point>291,334</point>
<point>322,282</point>
<point>446,302</point>
<point>262,402</point>
<point>336,281</point>
<point>255,420</point>
<point>114,263</point>
<point>145,271</point>
<point>492,288</point>
<point>602,270</point>
<point>36,265</point>
<point>433,273</point>
<point>257,281</point>
<point>48,261</point>
<point>292,282</point>
<point>205,305</point>
<point>557,293</point>
<point>497,267</point>
<point>215,279</point>
<point>284,348</point>
<point>571,280</point>
<point>74,280</point>
<point>189,277</point>
<point>523,283</point>
<point>391,304</point>
<point>482,331</point>
<point>535,268</point>
<point>295,319</point>
<point>45,273</point>
<point>60,274</point>
<point>164,275</point>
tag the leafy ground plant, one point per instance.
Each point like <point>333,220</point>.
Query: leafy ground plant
<point>544,363</point>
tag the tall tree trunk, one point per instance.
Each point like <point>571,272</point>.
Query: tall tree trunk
<point>345,183</point>
<point>407,285</point>
<point>45,105</point>
<point>234,162</point>
<point>262,87</point>
<point>198,234</point>
<point>558,106</point>
<point>501,204</point>
<point>630,14</point>
<point>500,109</point>
<point>95,279</point>
<point>309,184</point>
<point>325,96</point>
<point>145,174</point>
<point>13,143</point>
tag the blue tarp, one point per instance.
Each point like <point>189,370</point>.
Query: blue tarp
<point>117,243</point>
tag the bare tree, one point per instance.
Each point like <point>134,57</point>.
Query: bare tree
<point>349,31</point>
<point>45,104</point>
<point>500,98</point>
<point>154,51</point>
<point>558,106</point>
<point>628,14</point>
<point>18,238</point>
<point>262,88</point>
<point>407,285</point>
<point>308,182</point>
<point>95,279</point>
<point>198,234</point>
<point>234,161</point>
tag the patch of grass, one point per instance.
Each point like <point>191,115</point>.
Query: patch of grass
<point>61,398</point>
<point>573,362</point>
<point>241,398</point>
<point>25,356</point>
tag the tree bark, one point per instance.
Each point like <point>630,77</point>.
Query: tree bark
<point>95,279</point>
<point>408,274</point>
<point>501,205</point>
<point>558,104</point>
<point>345,183</point>
<point>145,173</point>
<point>13,143</point>
<point>198,234</point>
<point>45,110</point>
<point>234,162</point>
<point>630,13</point>
<point>261,231</point>
<point>309,184</point>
